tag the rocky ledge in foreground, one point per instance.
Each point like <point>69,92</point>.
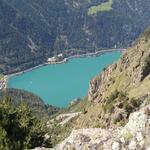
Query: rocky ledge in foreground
<point>134,135</point>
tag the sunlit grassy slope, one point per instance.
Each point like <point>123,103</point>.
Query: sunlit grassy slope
<point>107,6</point>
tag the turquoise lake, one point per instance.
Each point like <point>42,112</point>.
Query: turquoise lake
<point>59,84</point>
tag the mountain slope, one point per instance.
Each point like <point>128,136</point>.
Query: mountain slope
<point>35,103</point>
<point>121,89</point>
<point>32,31</point>
<point>118,116</point>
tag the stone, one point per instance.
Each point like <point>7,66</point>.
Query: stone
<point>137,123</point>
<point>112,138</point>
<point>147,110</point>
<point>142,143</point>
<point>122,140</point>
<point>148,148</point>
<point>132,145</point>
<point>139,136</point>
<point>47,136</point>
<point>117,116</point>
<point>116,146</point>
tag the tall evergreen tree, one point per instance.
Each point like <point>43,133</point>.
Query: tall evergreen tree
<point>19,129</point>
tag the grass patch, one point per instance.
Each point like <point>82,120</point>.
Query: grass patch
<point>107,6</point>
<point>128,136</point>
<point>108,107</point>
<point>59,133</point>
<point>140,90</point>
<point>1,76</point>
<point>80,106</point>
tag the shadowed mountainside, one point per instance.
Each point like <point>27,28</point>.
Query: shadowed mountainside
<point>32,31</point>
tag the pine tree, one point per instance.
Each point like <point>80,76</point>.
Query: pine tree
<point>19,129</point>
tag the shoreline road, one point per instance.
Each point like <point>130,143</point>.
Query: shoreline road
<point>67,117</point>
<point>63,118</point>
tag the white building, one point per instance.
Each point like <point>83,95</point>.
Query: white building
<point>60,55</point>
<point>55,58</point>
<point>52,59</point>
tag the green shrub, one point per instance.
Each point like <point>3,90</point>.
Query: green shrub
<point>108,107</point>
<point>135,102</point>
<point>146,68</point>
<point>19,129</point>
<point>128,108</point>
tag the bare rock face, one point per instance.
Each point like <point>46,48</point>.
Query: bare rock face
<point>88,139</point>
<point>134,135</point>
<point>127,73</point>
<point>96,85</point>
<point>120,89</point>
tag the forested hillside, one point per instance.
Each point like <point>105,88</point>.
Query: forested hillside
<point>33,30</point>
<point>35,103</point>
<point>19,128</point>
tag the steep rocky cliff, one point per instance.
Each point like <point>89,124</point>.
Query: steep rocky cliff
<point>127,75</point>
<point>121,88</point>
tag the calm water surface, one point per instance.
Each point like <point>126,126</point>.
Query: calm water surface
<point>61,83</point>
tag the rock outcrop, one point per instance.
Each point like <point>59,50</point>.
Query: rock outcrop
<point>134,136</point>
<point>130,71</point>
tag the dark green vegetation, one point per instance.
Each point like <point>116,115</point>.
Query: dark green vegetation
<point>23,121</point>
<point>19,129</point>
<point>146,68</point>
<point>34,102</point>
<point>32,31</point>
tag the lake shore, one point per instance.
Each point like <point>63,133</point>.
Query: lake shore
<point>3,82</point>
<point>65,60</point>
<point>58,84</point>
